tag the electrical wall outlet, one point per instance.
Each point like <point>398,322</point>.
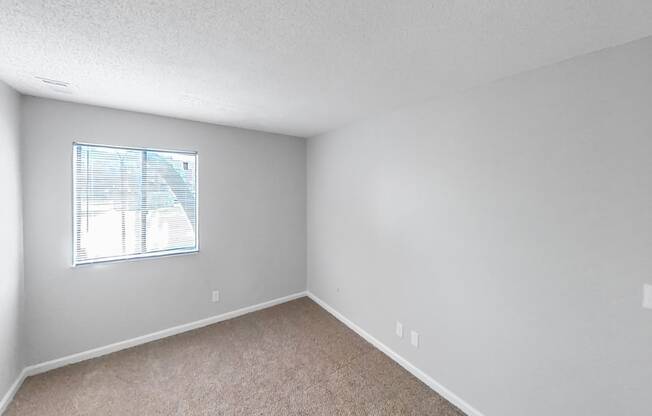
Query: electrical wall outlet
<point>414,339</point>
<point>399,329</point>
<point>216,296</point>
<point>647,296</point>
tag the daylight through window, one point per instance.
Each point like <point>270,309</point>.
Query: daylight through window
<point>130,203</point>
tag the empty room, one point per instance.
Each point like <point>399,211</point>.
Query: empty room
<point>346,207</point>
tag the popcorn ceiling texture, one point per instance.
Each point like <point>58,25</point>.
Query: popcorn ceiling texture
<point>291,359</point>
<point>289,66</point>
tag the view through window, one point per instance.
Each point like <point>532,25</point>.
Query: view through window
<point>130,203</point>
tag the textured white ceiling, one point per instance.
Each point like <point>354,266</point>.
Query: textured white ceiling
<point>300,67</point>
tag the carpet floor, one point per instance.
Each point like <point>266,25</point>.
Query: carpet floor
<point>291,359</point>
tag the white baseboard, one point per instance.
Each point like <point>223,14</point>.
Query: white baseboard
<point>97,352</point>
<point>108,349</point>
<point>421,375</point>
<point>8,397</point>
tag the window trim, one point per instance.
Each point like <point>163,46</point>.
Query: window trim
<point>130,257</point>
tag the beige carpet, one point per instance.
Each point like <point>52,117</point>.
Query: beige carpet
<point>292,359</point>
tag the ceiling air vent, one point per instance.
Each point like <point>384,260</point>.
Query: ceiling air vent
<point>56,85</point>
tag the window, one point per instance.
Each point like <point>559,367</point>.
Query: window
<point>131,203</point>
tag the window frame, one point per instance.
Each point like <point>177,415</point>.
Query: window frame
<point>130,257</point>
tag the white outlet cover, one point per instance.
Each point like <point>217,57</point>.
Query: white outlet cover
<point>216,296</point>
<point>399,329</point>
<point>414,338</point>
<point>647,296</point>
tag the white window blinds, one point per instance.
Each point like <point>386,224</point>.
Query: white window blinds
<point>131,203</point>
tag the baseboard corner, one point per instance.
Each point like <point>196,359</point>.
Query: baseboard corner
<point>9,395</point>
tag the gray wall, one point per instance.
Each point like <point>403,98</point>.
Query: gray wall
<point>251,218</point>
<point>511,226</point>
<point>11,241</point>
